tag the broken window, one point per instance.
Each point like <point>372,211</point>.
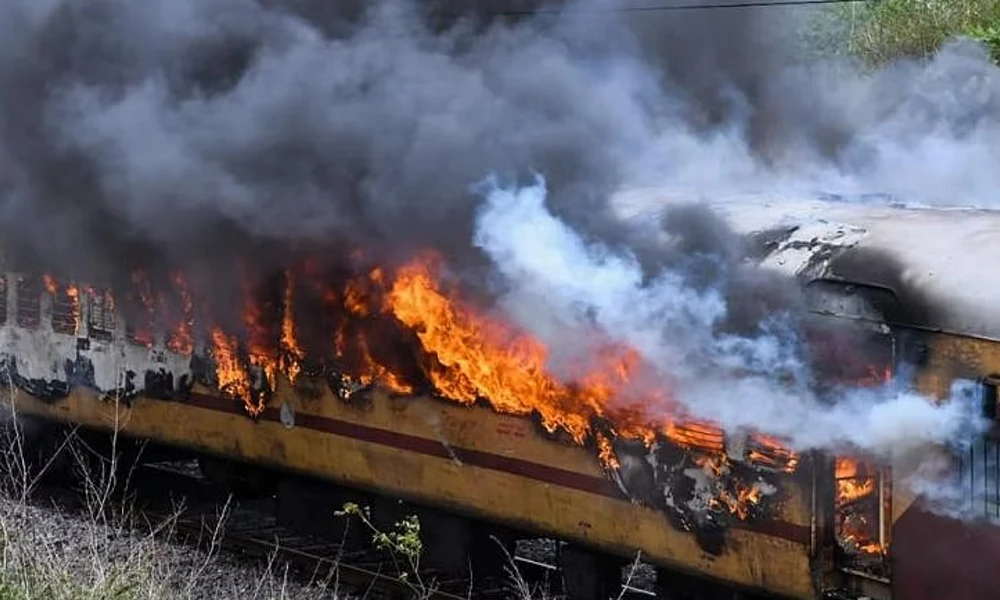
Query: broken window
<point>989,397</point>
<point>770,453</point>
<point>140,311</point>
<point>101,319</point>
<point>65,309</point>
<point>862,515</point>
<point>29,302</point>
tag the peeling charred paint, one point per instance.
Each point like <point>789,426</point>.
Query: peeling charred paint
<point>345,388</point>
<point>159,384</point>
<point>691,488</point>
<point>203,371</point>
<point>309,383</point>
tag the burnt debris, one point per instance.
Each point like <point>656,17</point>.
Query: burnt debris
<point>700,492</point>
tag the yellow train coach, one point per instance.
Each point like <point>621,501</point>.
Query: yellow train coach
<point>738,511</point>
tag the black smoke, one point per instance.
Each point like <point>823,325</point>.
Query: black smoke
<point>212,135</point>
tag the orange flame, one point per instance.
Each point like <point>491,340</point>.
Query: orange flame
<point>605,452</point>
<point>143,333</point>
<point>738,501</point>
<point>65,306</point>
<point>769,452</point>
<point>233,378</point>
<point>856,506</point>
<point>477,357</point>
<point>259,342</point>
<point>857,513</point>
<point>465,354</point>
<point>292,354</point>
<point>181,339</point>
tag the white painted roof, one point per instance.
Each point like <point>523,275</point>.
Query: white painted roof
<point>949,255</point>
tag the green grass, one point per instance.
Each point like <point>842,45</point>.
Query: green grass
<point>878,32</point>
<point>18,584</point>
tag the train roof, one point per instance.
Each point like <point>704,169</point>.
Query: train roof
<point>936,261</point>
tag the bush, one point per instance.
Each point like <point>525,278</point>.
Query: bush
<point>878,32</point>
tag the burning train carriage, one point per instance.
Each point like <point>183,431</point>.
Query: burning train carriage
<point>306,383</point>
<point>910,278</point>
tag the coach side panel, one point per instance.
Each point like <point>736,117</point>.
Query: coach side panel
<point>470,460</point>
<point>934,555</point>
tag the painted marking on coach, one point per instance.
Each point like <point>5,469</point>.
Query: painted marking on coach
<point>543,473</point>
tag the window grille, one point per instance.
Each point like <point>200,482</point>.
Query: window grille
<point>101,318</point>
<point>65,310</point>
<point>977,465</point>
<point>3,300</point>
<point>979,477</point>
<point>29,302</point>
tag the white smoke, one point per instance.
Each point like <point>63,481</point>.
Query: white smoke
<point>556,283</point>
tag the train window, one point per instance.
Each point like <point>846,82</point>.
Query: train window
<point>65,310</point>
<point>979,477</point>
<point>862,509</point>
<point>29,302</point>
<point>989,396</point>
<point>3,299</point>
<point>140,334</point>
<point>101,319</point>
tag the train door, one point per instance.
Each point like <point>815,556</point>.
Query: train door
<point>852,346</point>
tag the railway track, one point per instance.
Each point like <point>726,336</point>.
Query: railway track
<point>197,515</point>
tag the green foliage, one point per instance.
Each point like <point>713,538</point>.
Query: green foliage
<point>20,583</point>
<point>402,543</point>
<point>404,539</point>
<point>878,32</point>
<point>988,35</point>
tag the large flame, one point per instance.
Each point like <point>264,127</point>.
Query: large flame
<point>404,330</point>
<point>292,353</point>
<point>181,339</point>
<point>474,357</point>
<point>141,295</point>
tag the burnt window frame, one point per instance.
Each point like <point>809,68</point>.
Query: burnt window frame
<point>61,322</point>
<point>881,299</point>
<point>4,299</point>
<point>37,287</point>
<point>977,472</point>
<point>96,330</point>
<point>883,494</point>
<point>976,466</point>
<point>989,399</point>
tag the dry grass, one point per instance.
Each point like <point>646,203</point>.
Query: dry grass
<point>102,553</point>
<point>99,552</point>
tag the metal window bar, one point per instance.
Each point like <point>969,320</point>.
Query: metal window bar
<point>101,318</point>
<point>29,302</point>
<point>979,476</point>
<point>65,312</point>
<point>3,299</point>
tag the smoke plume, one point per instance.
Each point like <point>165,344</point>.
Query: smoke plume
<point>195,133</point>
<point>555,284</point>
